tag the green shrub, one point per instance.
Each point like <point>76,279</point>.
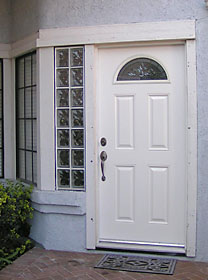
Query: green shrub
<point>15,212</point>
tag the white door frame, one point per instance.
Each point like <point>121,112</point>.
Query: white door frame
<point>137,33</point>
<point>92,139</point>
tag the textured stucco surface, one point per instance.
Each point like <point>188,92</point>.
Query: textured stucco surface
<point>59,231</point>
<point>59,220</point>
<point>29,16</point>
<point>202,91</point>
<point>24,20</point>
<point>5,20</point>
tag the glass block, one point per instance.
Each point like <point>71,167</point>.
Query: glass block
<point>28,132</point>
<point>28,103</point>
<point>76,57</point>
<point>34,135</point>
<point>20,73</point>
<point>77,158</point>
<point>62,58</point>
<point>76,77</point>
<point>33,69</point>
<point>77,97</point>
<point>20,98</point>
<point>142,69</point>
<point>28,70</point>
<point>34,102</point>
<point>62,97</point>
<point>62,138</point>
<point>35,167</point>
<point>77,137</point>
<point>63,178</point>
<point>63,118</point>
<point>62,77</point>
<point>28,166</point>
<point>77,118</point>
<point>77,178</point>
<point>63,158</point>
<point>21,133</point>
<point>21,164</point>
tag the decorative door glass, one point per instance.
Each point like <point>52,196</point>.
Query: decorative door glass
<point>142,69</point>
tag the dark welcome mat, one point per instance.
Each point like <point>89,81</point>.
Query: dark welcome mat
<point>137,264</point>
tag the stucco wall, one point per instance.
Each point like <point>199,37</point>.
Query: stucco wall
<point>24,19</point>
<point>59,220</point>
<point>5,18</point>
<point>29,16</point>
<point>63,13</point>
<point>202,91</point>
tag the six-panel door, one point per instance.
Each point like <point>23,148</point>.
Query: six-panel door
<point>142,116</point>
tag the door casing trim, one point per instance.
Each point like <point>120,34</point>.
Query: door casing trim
<point>91,145</point>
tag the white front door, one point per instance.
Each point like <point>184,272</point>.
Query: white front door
<point>142,115</point>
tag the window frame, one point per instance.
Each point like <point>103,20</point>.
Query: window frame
<point>32,119</point>
<point>2,116</point>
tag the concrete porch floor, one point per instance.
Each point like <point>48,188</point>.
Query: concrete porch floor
<point>40,264</point>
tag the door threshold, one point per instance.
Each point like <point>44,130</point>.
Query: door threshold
<point>142,253</point>
<point>142,246</point>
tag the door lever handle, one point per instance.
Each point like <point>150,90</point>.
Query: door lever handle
<point>103,157</point>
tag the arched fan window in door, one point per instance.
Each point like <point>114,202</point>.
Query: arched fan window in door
<point>141,69</point>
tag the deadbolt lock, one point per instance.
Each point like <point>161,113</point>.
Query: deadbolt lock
<point>103,141</point>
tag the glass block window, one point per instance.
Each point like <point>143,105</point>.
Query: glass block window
<point>1,121</point>
<point>26,118</point>
<point>142,69</point>
<point>70,125</point>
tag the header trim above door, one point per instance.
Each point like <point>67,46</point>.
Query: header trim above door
<point>103,34</point>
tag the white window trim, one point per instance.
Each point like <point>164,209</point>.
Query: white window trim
<point>91,36</point>
<point>9,119</point>
<point>9,112</point>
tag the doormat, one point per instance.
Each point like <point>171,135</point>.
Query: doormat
<point>137,264</point>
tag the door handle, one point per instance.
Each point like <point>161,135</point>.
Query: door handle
<point>103,157</point>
